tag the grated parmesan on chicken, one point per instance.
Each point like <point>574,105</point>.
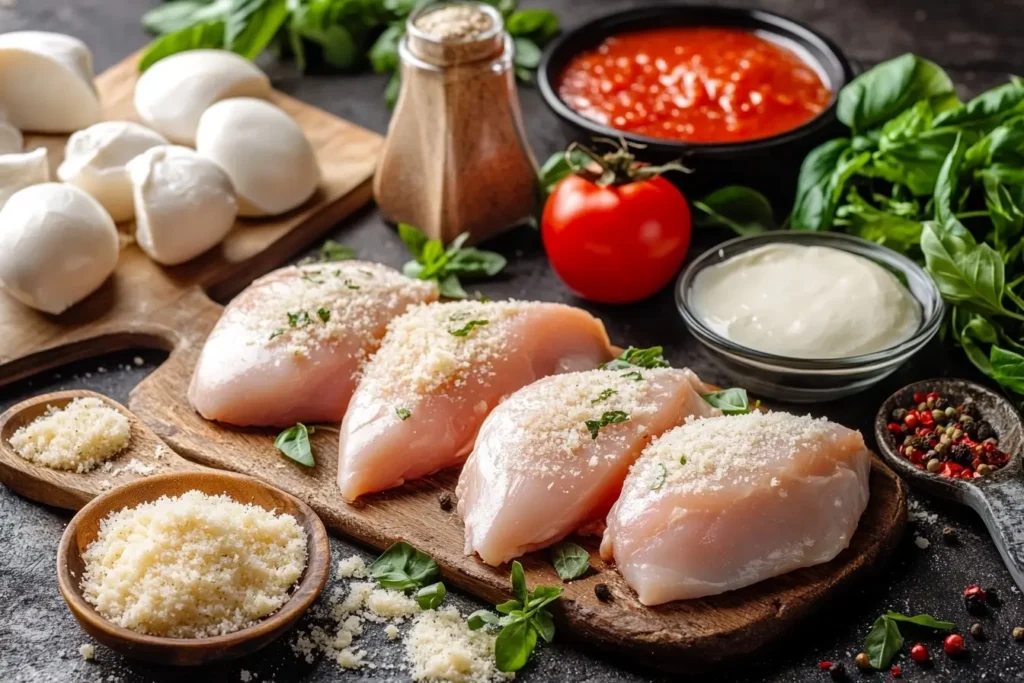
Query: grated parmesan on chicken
<point>77,437</point>
<point>441,647</point>
<point>707,455</point>
<point>193,566</point>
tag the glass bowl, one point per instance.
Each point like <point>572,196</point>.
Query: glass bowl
<point>806,380</point>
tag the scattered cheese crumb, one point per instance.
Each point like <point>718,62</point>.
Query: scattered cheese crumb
<point>77,437</point>
<point>391,631</point>
<point>245,676</point>
<point>88,652</point>
<point>138,361</point>
<point>353,566</point>
<point>391,604</point>
<point>922,542</point>
<point>192,566</point>
<point>440,647</point>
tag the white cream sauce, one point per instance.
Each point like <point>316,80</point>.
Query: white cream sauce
<point>805,302</point>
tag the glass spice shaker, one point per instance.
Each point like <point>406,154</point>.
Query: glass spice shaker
<point>456,159</point>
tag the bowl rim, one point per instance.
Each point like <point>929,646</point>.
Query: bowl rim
<point>306,591</point>
<point>930,323</point>
<point>772,22</point>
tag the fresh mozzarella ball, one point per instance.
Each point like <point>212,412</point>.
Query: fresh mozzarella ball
<point>95,160</point>
<point>173,93</point>
<point>270,161</point>
<point>184,203</point>
<point>57,246</point>
<point>18,171</point>
<point>46,82</point>
<point>10,139</point>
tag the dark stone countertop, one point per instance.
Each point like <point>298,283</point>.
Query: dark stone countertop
<point>978,42</point>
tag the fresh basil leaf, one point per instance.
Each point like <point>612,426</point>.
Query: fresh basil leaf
<point>514,645</point>
<point>633,357</point>
<point>542,596</point>
<point>527,54</point>
<point>921,620</point>
<point>175,16</point>
<point>206,35</point>
<point>431,597</point>
<point>730,401</point>
<point>451,287</point>
<point>889,88</point>
<point>860,218</point>
<point>1007,368</point>
<point>608,418</point>
<point>988,108</point>
<point>467,328</point>
<point>915,162</point>
<point>509,606</point>
<point>393,89</point>
<point>814,206</point>
<point>335,251</point>
<point>539,25</point>
<point>481,618</point>
<point>977,329</point>
<point>545,625</point>
<point>384,53</point>
<point>741,209</point>
<point>883,642</point>
<point>1005,206</point>
<point>473,262</point>
<point>338,47</point>
<point>518,579</point>
<point>402,567</point>
<point>506,7</point>
<point>570,561</point>
<point>414,240</point>
<point>252,24</point>
<point>294,443</point>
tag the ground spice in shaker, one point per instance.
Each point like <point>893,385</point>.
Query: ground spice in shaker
<point>456,159</point>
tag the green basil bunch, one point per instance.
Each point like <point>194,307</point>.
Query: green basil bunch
<point>348,35</point>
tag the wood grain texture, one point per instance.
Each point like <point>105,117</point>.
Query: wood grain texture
<point>687,635</point>
<point>84,528</point>
<point>135,306</point>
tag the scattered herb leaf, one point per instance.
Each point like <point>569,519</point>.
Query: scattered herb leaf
<point>403,568</point>
<point>729,401</point>
<point>638,358</point>
<point>431,597</point>
<point>294,443</point>
<point>403,413</point>
<point>659,478</point>
<point>323,314</point>
<point>603,395</point>
<point>609,418</point>
<point>467,328</point>
<point>570,561</point>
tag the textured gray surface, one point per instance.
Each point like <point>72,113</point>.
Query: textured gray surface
<point>978,41</point>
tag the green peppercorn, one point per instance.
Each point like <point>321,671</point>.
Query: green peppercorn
<point>899,414</point>
<point>934,465</point>
<point>957,434</point>
<point>951,412</point>
<point>966,419</point>
<point>941,447</point>
<point>931,403</point>
<point>938,415</point>
<point>908,451</point>
<point>922,406</point>
<point>984,469</point>
<point>940,430</point>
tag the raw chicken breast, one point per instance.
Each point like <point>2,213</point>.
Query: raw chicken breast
<point>288,348</point>
<point>720,504</point>
<point>440,370</point>
<point>542,468</point>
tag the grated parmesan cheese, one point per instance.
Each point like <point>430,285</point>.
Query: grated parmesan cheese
<point>440,647</point>
<point>77,437</point>
<point>353,566</point>
<point>420,355</point>
<point>87,651</point>
<point>193,566</point>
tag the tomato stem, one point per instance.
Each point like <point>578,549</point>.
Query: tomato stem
<point>619,166</point>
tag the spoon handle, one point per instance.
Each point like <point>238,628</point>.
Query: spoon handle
<point>1002,509</point>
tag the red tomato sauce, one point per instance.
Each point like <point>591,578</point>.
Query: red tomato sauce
<point>694,84</point>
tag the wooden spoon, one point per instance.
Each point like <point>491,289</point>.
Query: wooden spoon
<point>111,489</point>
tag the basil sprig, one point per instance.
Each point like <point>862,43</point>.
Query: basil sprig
<point>432,261</point>
<point>525,619</point>
<point>570,560</point>
<point>341,34</point>
<point>885,640</point>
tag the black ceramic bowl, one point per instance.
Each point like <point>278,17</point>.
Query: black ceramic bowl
<point>768,164</point>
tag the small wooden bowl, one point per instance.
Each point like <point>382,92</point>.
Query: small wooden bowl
<point>84,527</point>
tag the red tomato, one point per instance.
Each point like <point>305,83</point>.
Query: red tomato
<point>619,243</point>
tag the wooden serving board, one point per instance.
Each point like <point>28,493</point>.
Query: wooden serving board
<point>681,636</point>
<point>143,302</point>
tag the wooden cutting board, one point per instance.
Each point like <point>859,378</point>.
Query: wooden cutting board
<point>143,302</point>
<point>681,636</point>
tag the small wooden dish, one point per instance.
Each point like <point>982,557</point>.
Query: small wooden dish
<point>84,527</point>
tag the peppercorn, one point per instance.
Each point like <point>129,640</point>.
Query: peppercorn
<point>602,592</point>
<point>971,429</point>
<point>977,631</point>
<point>983,469</point>
<point>961,454</point>
<point>970,410</point>
<point>974,599</point>
<point>953,645</point>
<point>919,653</point>
<point>956,435</point>
<point>984,430</point>
<point>941,447</point>
<point>991,597</point>
<point>896,671</point>
<point>899,414</point>
<point>938,415</point>
<point>942,404</point>
<point>965,419</point>
<point>934,465</point>
<point>922,406</point>
<point>862,661</point>
<point>1018,633</point>
<point>951,412</point>
<point>949,536</point>
<point>445,500</point>
<point>919,442</point>
<point>824,665</point>
<point>837,672</point>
